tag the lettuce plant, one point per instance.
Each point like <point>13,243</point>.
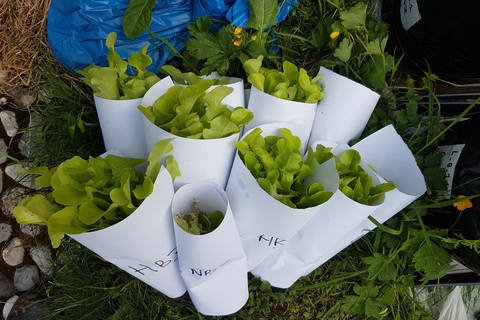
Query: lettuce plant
<point>114,81</point>
<point>357,184</point>
<point>186,78</point>
<point>290,84</point>
<point>279,167</point>
<point>86,195</point>
<point>192,112</point>
<point>198,222</point>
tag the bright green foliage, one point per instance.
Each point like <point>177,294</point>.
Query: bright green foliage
<point>86,195</point>
<point>277,165</point>
<point>357,184</point>
<point>114,82</point>
<point>191,112</point>
<point>290,84</point>
<point>199,223</point>
<point>186,78</point>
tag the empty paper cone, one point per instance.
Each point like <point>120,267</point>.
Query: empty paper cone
<point>344,110</point>
<point>122,126</point>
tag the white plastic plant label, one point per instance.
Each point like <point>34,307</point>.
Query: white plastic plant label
<point>143,244</point>
<point>343,111</point>
<point>409,13</point>
<point>213,265</point>
<point>122,127</point>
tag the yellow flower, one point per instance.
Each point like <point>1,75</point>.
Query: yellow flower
<point>237,36</point>
<point>238,31</point>
<point>334,35</point>
<point>462,205</point>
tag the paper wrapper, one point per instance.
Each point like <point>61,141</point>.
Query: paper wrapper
<point>385,151</point>
<point>265,224</point>
<point>343,111</point>
<point>143,244</point>
<point>269,109</point>
<point>122,127</point>
<point>237,97</point>
<point>213,266</point>
<point>334,221</point>
<point>198,159</point>
<point>156,91</point>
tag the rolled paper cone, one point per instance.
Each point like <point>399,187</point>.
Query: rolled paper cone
<point>121,126</point>
<point>330,225</point>
<point>270,109</point>
<point>237,97</point>
<point>198,159</point>
<point>264,223</point>
<point>156,91</point>
<point>392,159</point>
<point>344,110</point>
<point>143,244</point>
<point>213,265</point>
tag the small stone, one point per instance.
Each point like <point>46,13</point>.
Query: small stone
<point>26,277</point>
<point>8,306</point>
<point>14,252</point>
<point>42,256</point>
<point>3,151</point>
<point>9,122</point>
<point>32,230</point>
<point>27,100</point>
<point>25,180</point>
<point>26,143</point>
<point>5,232</point>
<point>7,289</point>
<point>10,198</point>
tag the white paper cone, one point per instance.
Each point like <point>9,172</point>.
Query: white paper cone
<point>237,97</point>
<point>213,266</point>
<point>269,109</point>
<point>143,244</point>
<point>344,110</point>
<point>386,151</point>
<point>335,221</point>
<point>122,127</point>
<point>265,224</point>
<point>156,91</point>
<point>198,159</point>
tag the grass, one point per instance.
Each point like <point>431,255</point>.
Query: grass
<point>65,119</point>
<point>375,278</point>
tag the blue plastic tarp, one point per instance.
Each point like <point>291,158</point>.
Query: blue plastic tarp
<point>77,29</point>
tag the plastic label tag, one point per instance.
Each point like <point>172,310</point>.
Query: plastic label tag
<point>450,156</point>
<point>409,13</point>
